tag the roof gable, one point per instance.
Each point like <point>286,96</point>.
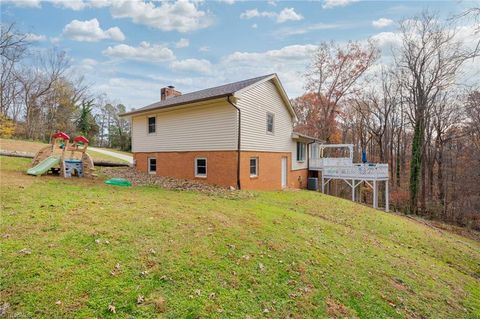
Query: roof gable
<point>278,85</point>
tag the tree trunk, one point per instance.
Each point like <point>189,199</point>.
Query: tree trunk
<point>416,163</point>
<point>441,187</point>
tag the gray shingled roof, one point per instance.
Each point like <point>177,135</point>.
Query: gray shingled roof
<point>202,95</point>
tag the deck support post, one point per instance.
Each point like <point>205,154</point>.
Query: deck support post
<point>353,190</point>
<point>323,184</point>
<point>375,194</point>
<point>387,204</point>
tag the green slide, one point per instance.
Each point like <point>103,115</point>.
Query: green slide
<point>44,166</point>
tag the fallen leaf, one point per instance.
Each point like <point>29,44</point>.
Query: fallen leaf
<point>111,308</point>
<point>261,266</point>
<point>25,251</point>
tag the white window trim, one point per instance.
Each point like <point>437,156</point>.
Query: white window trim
<point>148,163</point>
<point>273,123</point>
<point>148,125</point>
<point>256,166</point>
<point>206,167</point>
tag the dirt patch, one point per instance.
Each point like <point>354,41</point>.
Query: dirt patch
<point>336,309</point>
<point>143,179</point>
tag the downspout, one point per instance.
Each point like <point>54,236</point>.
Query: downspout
<point>238,141</point>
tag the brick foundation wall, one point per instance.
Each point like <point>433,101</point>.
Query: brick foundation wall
<point>222,168</point>
<point>269,171</point>
<point>221,165</point>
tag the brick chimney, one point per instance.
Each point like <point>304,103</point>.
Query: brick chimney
<point>168,92</point>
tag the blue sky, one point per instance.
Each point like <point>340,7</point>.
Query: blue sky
<point>130,49</point>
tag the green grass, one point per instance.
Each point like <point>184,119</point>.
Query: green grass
<point>297,254</point>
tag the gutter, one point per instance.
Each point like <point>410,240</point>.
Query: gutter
<point>238,141</point>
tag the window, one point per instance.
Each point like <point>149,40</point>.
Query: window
<point>201,167</point>
<point>301,150</point>
<point>152,165</point>
<point>270,123</point>
<point>253,166</point>
<point>152,124</point>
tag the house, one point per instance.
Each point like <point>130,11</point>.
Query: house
<point>239,134</point>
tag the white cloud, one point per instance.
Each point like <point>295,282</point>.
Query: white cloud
<point>86,65</point>
<point>90,31</point>
<point>204,49</point>
<point>70,4</point>
<point>307,28</point>
<point>291,52</point>
<point>254,26</point>
<point>181,16</point>
<point>382,23</point>
<point>55,40</point>
<point>32,37</point>
<point>253,13</point>
<point>287,14</point>
<point>328,4</point>
<point>386,40</point>
<point>24,3</point>
<point>145,52</point>
<point>228,1</point>
<point>182,43</point>
<point>192,65</point>
<point>75,5</point>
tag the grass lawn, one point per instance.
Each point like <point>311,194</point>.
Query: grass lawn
<point>33,147</point>
<point>70,248</point>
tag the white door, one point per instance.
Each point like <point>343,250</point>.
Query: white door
<point>284,172</point>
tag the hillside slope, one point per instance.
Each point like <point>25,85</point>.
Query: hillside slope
<point>71,248</point>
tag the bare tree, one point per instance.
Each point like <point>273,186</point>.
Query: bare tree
<point>376,107</point>
<point>333,73</point>
<point>37,81</point>
<point>12,49</point>
<point>430,58</point>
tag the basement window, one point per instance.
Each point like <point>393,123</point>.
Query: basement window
<point>200,167</point>
<point>152,125</point>
<point>253,166</point>
<point>152,165</point>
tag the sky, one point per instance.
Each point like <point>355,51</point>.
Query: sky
<point>130,49</point>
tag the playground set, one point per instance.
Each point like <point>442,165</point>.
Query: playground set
<point>54,158</point>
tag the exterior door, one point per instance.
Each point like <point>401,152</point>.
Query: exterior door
<point>284,172</point>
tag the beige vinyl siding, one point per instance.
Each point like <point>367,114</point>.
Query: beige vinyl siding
<point>255,103</point>
<point>209,127</point>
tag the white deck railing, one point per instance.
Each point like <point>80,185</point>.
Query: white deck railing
<point>320,163</point>
<point>357,171</point>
